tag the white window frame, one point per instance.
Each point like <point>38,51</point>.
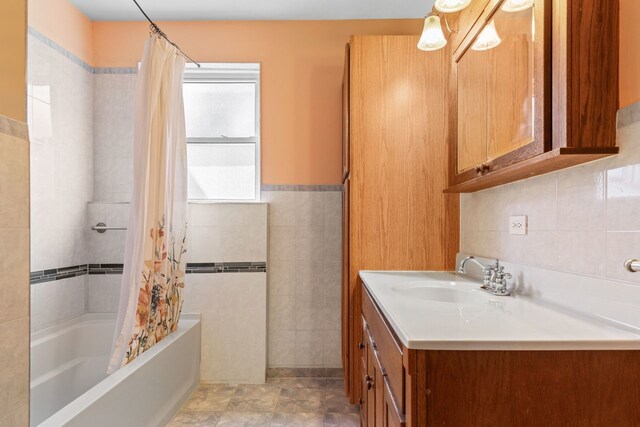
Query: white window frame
<point>218,72</point>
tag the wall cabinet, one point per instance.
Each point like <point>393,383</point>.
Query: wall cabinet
<point>425,388</point>
<point>527,95</point>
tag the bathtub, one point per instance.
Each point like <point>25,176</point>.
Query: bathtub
<point>69,386</point>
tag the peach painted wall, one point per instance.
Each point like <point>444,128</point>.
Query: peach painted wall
<point>301,79</point>
<point>629,52</point>
<point>13,60</point>
<point>61,22</point>
<point>301,72</point>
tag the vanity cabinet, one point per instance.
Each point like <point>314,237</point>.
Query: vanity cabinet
<point>492,388</point>
<point>531,91</point>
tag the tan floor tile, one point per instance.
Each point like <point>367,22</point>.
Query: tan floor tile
<point>254,399</point>
<point>304,400</point>
<point>338,402</point>
<point>342,420</point>
<point>195,418</point>
<point>297,420</point>
<point>210,398</point>
<point>244,419</point>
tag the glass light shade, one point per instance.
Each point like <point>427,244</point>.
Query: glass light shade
<point>432,36</point>
<point>488,38</point>
<point>450,6</point>
<point>517,5</point>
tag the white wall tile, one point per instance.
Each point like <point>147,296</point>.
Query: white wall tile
<point>622,246</point>
<point>581,198</point>
<point>103,293</point>
<point>333,208</point>
<point>309,348</point>
<point>282,352</point>
<point>581,220</point>
<point>309,242</point>
<point>282,278</point>
<point>282,243</point>
<point>57,301</point>
<point>582,252</point>
<point>309,278</point>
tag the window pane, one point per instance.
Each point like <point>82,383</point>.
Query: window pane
<point>220,109</point>
<point>222,171</point>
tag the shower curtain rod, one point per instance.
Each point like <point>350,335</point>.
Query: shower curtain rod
<point>156,30</point>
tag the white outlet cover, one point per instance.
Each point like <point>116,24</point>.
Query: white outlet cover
<point>518,224</point>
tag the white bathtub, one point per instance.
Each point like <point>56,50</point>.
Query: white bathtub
<point>69,386</point>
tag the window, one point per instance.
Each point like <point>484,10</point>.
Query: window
<point>222,115</point>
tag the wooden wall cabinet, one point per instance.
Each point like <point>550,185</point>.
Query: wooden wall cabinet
<point>544,99</point>
<point>395,214</point>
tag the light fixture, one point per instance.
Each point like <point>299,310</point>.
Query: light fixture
<point>488,38</point>
<point>517,5</point>
<point>432,36</point>
<point>450,6</point>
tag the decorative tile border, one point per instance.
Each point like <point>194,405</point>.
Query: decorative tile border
<point>11,127</point>
<point>269,187</point>
<point>629,115</point>
<point>226,267</point>
<point>105,268</point>
<point>76,60</point>
<point>192,268</point>
<point>57,273</point>
<point>304,373</point>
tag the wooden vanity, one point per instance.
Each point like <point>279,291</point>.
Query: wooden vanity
<point>456,388</point>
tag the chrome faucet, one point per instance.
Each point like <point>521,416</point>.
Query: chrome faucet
<point>495,278</point>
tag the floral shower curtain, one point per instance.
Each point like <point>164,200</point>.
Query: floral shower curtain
<point>154,266</point>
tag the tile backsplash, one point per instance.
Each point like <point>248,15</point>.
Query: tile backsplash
<point>582,220</point>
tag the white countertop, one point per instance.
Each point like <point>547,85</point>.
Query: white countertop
<point>487,322</point>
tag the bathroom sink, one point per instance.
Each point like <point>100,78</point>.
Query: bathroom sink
<point>445,293</point>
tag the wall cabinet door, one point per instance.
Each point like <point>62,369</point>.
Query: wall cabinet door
<point>497,101</point>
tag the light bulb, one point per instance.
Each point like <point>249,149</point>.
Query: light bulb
<point>449,6</point>
<point>517,5</point>
<point>432,36</point>
<point>488,38</point>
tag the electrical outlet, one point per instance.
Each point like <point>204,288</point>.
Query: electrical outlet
<point>518,224</point>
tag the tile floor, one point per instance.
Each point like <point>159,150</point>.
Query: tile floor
<point>279,402</point>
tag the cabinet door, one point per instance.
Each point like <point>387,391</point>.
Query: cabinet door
<point>392,415</point>
<point>499,87</point>
<point>369,390</point>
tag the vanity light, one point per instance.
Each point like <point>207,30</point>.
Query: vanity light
<point>488,38</point>
<point>517,5</point>
<point>450,6</point>
<point>432,36</point>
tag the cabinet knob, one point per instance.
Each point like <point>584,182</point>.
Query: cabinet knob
<point>361,346</point>
<point>479,168</point>
<point>369,383</point>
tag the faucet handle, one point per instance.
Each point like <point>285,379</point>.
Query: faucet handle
<point>501,281</point>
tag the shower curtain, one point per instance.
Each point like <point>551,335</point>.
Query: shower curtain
<point>154,266</point>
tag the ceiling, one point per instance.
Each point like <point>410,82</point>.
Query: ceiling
<point>188,10</point>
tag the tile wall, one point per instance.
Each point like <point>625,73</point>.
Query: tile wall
<point>305,261</point>
<point>583,220</point>
<point>14,265</point>
<point>60,114</point>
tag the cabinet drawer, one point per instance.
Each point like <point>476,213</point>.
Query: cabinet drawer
<point>389,349</point>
